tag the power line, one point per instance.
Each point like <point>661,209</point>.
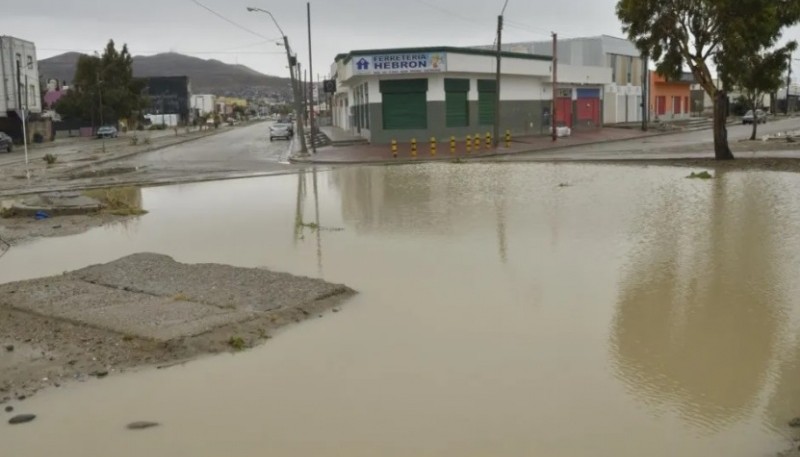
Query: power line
<point>239,26</point>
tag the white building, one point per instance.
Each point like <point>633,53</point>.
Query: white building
<point>440,92</point>
<point>19,77</point>
<point>622,100</point>
<point>204,104</point>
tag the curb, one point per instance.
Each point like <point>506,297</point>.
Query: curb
<point>495,154</point>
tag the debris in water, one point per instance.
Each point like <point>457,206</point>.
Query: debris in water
<point>142,425</point>
<point>701,175</point>
<point>22,419</point>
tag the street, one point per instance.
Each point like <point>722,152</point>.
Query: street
<point>245,148</point>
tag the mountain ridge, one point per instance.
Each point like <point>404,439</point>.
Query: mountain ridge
<point>206,76</point>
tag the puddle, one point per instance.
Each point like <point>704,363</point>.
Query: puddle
<point>504,310</point>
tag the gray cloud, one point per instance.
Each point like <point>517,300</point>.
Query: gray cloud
<point>152,26</point>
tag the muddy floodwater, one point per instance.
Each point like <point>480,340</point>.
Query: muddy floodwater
<point>503,310</point>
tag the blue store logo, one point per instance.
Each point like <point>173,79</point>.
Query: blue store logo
<point>362,64</point>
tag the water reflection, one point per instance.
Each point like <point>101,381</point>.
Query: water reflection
<point>702,301</point>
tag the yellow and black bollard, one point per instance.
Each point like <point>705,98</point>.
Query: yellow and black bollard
<point>477,142</point>
<point>488,140</point>
<point>508,138</point>
<point>452,145</point>
<point>433,146</point>
<point>413,147</point>
<point>469,143</point>
<point>394,148</point>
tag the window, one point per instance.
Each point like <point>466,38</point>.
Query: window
<point>661,105</point>
<point>613,65</point>
<point>32,96</point>
<point>30,62</point>
<point>456,102</point>
<point>676,105</point>
<point>487,91</point>
<point>405,104</point>
<point>630,70</point>
<point>19,60</point>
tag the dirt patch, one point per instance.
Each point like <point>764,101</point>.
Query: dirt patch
<point>21,230</point>
<point>143,310</point>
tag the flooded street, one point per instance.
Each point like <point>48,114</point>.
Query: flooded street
<point>503,309</point>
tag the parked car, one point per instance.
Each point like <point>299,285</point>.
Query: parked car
<point>107,131</point>
<point>6,144</point>
<point>760,117</point>
<point>281,130</point>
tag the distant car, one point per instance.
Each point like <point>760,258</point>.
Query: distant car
<point>107,131</point>
<point>281,130</point>
<point>760,117</point>
<point>6,144</point>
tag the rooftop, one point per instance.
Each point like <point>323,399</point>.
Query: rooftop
<point>345,58</point>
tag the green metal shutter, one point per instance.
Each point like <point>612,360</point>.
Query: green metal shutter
<point>405,111</point>
<point>457,108</point>
<point>405,104</point>
<point>486,102</point>
<point>487,93</point>
<point>456,102</point>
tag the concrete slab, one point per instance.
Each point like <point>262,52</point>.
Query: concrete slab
<point>147,316</point>
<point>152,296</point>
<point>222,286</point>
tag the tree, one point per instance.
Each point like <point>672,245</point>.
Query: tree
<point>103,88</point>
<point>760,73</point>
<point>700,34</point>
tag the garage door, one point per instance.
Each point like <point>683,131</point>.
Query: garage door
<point>405,104</point>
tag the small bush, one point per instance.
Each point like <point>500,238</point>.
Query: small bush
<point>237,343</point>
<point>50,159</point>
<point>134,141</point>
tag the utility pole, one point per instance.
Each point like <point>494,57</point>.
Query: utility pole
<point>23,113</point>
<point>497,81</point>
<point>555,84</point>
<point>311,78</point>
<point>645,92</point>
<point>788,84</point>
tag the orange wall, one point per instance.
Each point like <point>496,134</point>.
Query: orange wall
<point>659,87</point>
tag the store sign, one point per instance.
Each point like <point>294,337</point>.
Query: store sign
<point>425,62</point>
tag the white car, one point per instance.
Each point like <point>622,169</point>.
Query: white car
<point>281,130</point>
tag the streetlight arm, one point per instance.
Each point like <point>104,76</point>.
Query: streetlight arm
<point>251,9</point>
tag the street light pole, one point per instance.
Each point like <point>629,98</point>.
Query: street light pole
<point>311,79</point>
<point>295,85</point>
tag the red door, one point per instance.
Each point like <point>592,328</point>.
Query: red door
<point>661,105</point>
<point>564,111</point>
<point>589,112</point>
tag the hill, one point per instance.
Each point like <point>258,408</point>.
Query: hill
<point>207,76</point>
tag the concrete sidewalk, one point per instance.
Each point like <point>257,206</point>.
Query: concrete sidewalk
<point>372,153</point>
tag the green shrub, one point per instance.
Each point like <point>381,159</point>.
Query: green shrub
<point>50,159</point>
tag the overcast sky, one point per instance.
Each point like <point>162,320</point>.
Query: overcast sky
<point>155,26</point>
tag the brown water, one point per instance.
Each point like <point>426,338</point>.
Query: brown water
<point>630,313</point>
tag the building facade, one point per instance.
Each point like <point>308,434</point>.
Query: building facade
<point>623,95</point>
<point>670,100</point>
<point>401,94</point>
<point>204,104</point>
<point>169,95</point>
<point>19,74</point>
